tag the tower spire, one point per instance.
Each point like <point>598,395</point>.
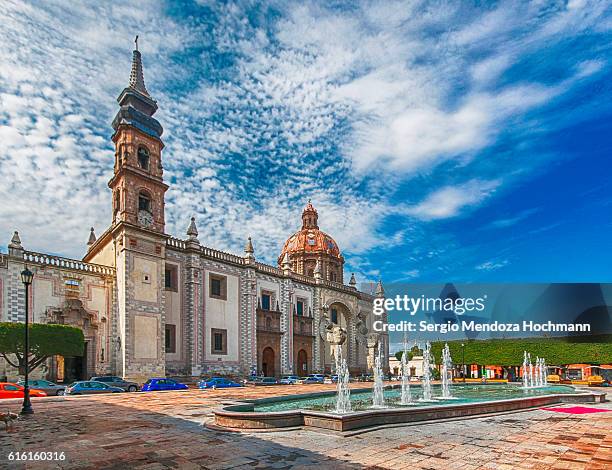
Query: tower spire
<point>136,75</point>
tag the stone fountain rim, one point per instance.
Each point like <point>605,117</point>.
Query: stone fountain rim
<point>240,414</point>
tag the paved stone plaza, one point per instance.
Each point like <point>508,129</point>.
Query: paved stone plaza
<point>165,430</point>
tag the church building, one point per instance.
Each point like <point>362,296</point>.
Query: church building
<point>151,304</point>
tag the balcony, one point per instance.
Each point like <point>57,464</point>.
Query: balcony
<point>268,321</point>
<point>302,326</point>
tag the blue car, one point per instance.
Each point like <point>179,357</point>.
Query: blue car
<point>217,382</point>
<point>159,384</point>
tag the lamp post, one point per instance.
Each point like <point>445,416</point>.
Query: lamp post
<point>26,278</point>
<point>463,361</point>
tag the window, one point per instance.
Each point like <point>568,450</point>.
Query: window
<point>171,278</point>
<point>300,308</point>
<point>334,316</point>
<point>143,158</point>
<point>218,287</point>
<point>218,341</point>
<point>144,202</point>
<point>266,301</point>
<point>170,338</point>
<point>332,276</point>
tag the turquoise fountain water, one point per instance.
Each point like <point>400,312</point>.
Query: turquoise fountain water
<point>361,400</point>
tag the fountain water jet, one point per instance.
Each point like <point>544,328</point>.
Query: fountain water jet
<point>406,397</point>
<point>534,376</point>
<point>446,373</point>
<point>427,364</point>
<point>343,395</point>
<point>378,397</point>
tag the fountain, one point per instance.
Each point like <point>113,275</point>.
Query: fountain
<point>378,397</point>
<point>427,365</point>
<point>525,368</point>
<point>534,376</point>
<point>343,394</point>
<point>446,373</point>
<point>336,336</point>
<point>365,406</point>
<point>406,397</point>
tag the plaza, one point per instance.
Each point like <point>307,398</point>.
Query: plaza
<point>175,430</point>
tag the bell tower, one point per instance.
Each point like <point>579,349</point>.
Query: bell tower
<point>135,242</point>
<point>137,183</point>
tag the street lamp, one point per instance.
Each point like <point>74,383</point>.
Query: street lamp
<point>463,361</point>
<point>26,278</point>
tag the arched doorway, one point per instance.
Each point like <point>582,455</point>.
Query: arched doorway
<point>302,363</point>
<point>82,367</point>
<point>267,362</point>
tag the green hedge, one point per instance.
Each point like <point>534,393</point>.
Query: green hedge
<point>46,340</point>
<point>509,352</point>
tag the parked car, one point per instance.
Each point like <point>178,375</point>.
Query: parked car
<point>289,380</point>
<point>317,377</point>
<point>217,382</point>
<point>309,380</point>
<point>331,380</point>
<point>11,390</point>
<point>46,386</point>
<point>91,387</point>
<point>159,384</point>
<point>115,381</point>
<point>267,381</point>
<point>253,379</point>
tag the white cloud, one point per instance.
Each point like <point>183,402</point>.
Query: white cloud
<point>492,265</point>
<point>449,201</point>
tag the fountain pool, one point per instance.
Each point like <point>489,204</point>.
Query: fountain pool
<point>362,399</point>
<point>318,410</point>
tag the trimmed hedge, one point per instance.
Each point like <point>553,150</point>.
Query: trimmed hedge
<point>509,352</point>
<point>46,340</point>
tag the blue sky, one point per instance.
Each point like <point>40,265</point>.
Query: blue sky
<point>439,141</point>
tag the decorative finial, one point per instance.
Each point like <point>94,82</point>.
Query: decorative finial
<point>136,42</point>
<point>286,265</point>
<point>192,230</point>
<point>248,248</point>
<point>380,291</point>
<point>15,241</point>
<point>353,281</point>
<point>92,237</point>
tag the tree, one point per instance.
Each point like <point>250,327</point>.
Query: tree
<point>414,351</point>
<point>46,340</point>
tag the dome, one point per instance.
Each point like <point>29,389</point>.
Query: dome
<point>310,240</point>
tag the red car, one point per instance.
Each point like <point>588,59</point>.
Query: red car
<point>11,390</point>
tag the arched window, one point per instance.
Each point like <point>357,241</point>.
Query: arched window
<point>334,316</point>
<point>143,158</point>
<point>144,202</point>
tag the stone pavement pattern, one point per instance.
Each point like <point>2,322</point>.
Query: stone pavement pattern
<point>164,430</point>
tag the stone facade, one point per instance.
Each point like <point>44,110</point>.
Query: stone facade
<point>153,305</point>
